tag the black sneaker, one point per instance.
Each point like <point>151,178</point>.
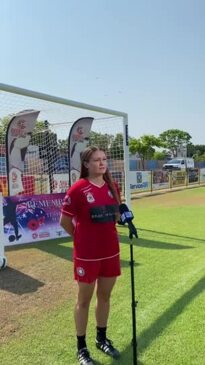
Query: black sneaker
<point>107,347</point>
<point>84,358</point>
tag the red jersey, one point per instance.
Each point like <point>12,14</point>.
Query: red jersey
<point>94,211</point>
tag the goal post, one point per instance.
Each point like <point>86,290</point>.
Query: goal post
<point>46,163</point>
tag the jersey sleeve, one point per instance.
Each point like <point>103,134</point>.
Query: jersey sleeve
<point>70,202</point>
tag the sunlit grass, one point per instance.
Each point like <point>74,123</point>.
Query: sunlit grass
<point>170,289</point>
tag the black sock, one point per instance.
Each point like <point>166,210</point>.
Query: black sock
<point>81,343</point>
<point>101,333</point>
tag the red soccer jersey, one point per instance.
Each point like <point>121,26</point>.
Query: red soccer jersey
<point>93,209</point>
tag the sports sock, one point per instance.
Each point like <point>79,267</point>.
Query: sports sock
<point>81,343</point>
<point>101,333</point>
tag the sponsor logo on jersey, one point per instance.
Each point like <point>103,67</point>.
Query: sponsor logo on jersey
<point>80,271</point>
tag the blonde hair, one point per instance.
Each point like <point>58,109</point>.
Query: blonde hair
<point>85,157</point>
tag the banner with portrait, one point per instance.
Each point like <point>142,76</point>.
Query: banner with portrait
<point>18,137</point>
<point>78,140</point>
<point>160,179</point>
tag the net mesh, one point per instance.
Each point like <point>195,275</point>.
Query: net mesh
<point>46,163</point>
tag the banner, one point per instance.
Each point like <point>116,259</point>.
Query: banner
<point>18,137</point>
<point>60,182</point>
<point>193,176</point>
<point>160,180</point>
<point>32,218</point>
<point>139,181</point>
<point>77,141</point>
<point>1,228</point>
<point>178,178</point>
<point>202,175</point>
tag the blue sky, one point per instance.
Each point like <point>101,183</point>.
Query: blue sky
<point>146,58</point>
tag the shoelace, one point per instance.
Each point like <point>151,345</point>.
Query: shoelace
<point>107,345</point>
<point>83,353</point>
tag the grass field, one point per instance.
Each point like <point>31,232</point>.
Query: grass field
<point>38,293</point>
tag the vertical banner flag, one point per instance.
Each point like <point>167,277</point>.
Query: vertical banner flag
<point>18,137</point>
<point>1,228</point>
<point>77,141</point>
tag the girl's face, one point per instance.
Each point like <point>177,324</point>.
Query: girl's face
<point>97,164</point>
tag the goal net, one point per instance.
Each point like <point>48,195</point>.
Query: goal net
<point>46,160</point>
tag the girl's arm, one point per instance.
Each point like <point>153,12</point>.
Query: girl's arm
<point>67,224</point>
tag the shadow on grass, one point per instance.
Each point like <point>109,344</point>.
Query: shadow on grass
<point>171,234</point>
<point>150,334</point>
<point>55,247</point>
<point>140,242</point>
<point>126,357</point>
<point>16,282</point>
<point>155,330</point>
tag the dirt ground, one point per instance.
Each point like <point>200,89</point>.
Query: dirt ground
<point>34,282</point>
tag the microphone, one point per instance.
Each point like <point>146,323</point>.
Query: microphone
<point>126,216</point>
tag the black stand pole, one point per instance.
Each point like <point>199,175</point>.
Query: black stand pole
<point>126,216</point>
<point>134,305</point>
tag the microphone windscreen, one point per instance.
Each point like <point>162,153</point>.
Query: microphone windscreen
<point>123,208</point>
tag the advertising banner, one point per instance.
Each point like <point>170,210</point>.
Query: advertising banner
<point>61,183</point>
<point>178,178</point>
<point>160,180</point>
<point>28,219</point>
<point>3,185</point>
<point>41,183</point>
<point>18,137</point>
<point>139,181</point>
<point>78,140</point>
<point>1,228</point>
<point>202,175</point>
<point>193,176</point>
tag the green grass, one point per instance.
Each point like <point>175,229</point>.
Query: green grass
<point>169,284</point>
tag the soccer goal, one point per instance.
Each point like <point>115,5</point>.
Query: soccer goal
<point>45,160</point>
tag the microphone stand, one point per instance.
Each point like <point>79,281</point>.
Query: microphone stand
<point>134,302</point>
<point>126,216</point>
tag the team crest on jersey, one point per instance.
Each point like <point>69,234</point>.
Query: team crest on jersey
<point>80,271</point>
<point>110,194</point>
<point>90,198</point>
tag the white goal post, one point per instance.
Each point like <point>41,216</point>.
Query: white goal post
<point>45,159</point>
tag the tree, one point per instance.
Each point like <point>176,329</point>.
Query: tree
<point>159,155</point>
<point>101,140</point>
<point>195,151</point>
<point>174,139</point>
<point>116,148</point>
<point>144,147</point>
